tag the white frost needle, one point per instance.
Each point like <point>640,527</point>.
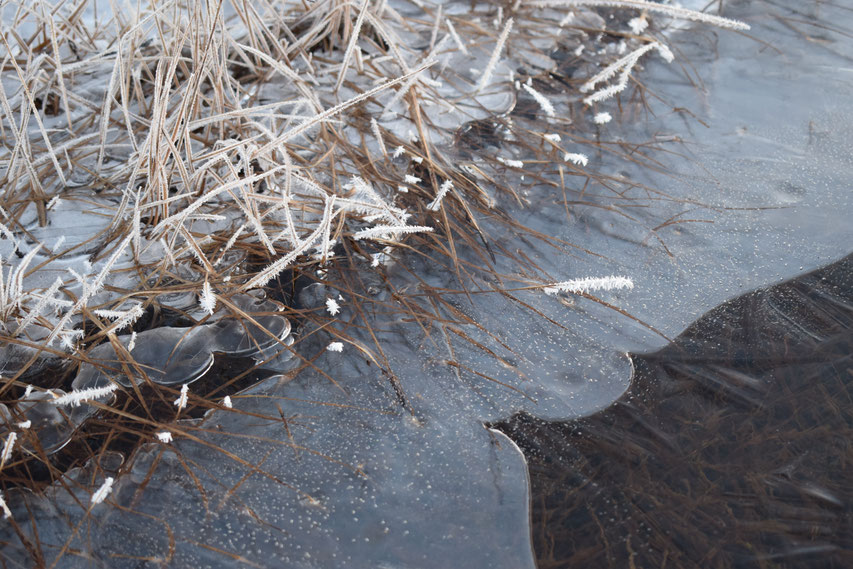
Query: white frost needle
<point>386,230</point>
<point>132,343</point>
<point>7,513</point>
<point>459,43</point>
<point>207,300</point>
<point>590,284</point>
<point>442,191</point>
<point>76,397</point>
<point>101,493</point>
<point>335,347</point>
<point>8,447</point>
<point>353,44</point>
<point>493,60</point>
<point>543,102</point>
<point>623,66</point>
<point>181,401</point>
<point>128,318</point>
<point>510,162</point>
<point>673,11</point>
<point>576,158</point>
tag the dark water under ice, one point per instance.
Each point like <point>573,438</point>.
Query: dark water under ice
<point>756,193</point>
<point>731,448</point>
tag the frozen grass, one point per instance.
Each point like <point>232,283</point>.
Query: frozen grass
<point>218,148</point>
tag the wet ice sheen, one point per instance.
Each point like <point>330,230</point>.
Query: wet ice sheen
<point>364,483</point>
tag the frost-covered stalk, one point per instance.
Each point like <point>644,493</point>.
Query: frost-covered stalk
<point>387,230</point>
<point>589,284</point>
<point>672,11</point>
<point>493,60</point>
<point>8,447</point>
<point>442,191</point>
<point>543,102</point>
<point>181,401</point>
<point>353,44</point>
<point>207,300</point>
<point>76,397</point>
<point>377,134</point>
<point>625,65</point>
<point>7,513</point>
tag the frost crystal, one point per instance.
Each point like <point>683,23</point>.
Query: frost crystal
<point>101,493</point>
<point>335,347</point>
<point>575,158</point>
<point>207,300</point>
<point>165,437</point>
<point>602,118</point>
<point>332,306</point>
<point>7,513</point>
<point>181,401</point>
<point>8,447</point>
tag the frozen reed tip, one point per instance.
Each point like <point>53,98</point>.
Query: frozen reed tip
<point>442,191</point>
<point>381,231</point>
<point>8,447</point>
<point>377,134</point>
<point>164,437</point>
<point>332,306</point>
<point>75,398</point>
<point>207,300</point>
<point>181,401</point>
<point>673,11</point>
<point>589,284</point>
<point>7,513</point>
<point>456,39</point>
<point>226,402</point>
<point>510,162</point>
<point>101,493</point>
<point>132,343</point>
<point>493,60</point>
<point>335,347</point>
<point>576,158</point>
<point>543,102</point>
